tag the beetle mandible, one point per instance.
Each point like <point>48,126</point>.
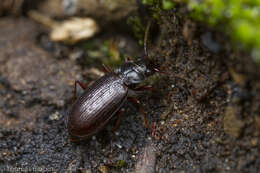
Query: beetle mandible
<point>104,98</point>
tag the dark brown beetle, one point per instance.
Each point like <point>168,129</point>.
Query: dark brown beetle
<point>104,98</point>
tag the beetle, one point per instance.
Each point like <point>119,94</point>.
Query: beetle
<point>106,96</point>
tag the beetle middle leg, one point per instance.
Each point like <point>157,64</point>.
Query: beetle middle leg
<point>121,112</point>
<point>83,86</point>
<point>135,100</point>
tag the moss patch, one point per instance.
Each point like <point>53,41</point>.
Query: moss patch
<point>240,19</point>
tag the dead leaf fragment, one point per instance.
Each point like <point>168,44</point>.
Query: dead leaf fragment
<point>74,30</point>
<point>69,31</point>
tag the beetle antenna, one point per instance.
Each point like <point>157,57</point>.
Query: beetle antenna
<point>146,37</point>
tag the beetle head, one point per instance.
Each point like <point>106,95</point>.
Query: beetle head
<point>134,73</point>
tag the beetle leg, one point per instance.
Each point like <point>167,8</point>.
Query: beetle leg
<point>135,100</point>
<point>145,87</point>
<point>75,89</point>
<point>121,112</point>
<point>128,59</point>
<point>159,71</point>
<point>153,129</point>
<point>72,139</point>
<point>106,69</point>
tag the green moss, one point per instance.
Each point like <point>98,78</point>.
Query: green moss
<point>156,6</point>
<point>148,2</point>
<point>114,58</point>
<point>163,4</point>
<point>103,53</point>
<point>240,19</point>
<point>137,27</point>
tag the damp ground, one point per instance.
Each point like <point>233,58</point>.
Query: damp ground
<point>204,113</point>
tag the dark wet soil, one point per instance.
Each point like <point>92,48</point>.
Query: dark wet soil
<point>205,112</point>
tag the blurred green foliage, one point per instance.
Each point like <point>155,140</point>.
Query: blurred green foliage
<point>137,27</point>
<point>103,53</point>
<point>156,6</point>
<point>164,4</point>
<point>239,18</point>
<point>167,4</point>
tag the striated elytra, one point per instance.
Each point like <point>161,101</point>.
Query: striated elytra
<point>96,106</point>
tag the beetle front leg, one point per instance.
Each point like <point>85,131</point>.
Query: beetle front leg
<point>106,69</point>
<point>75,89</point>
<point>145,87</point>
<point>128,59</point>
<point>135,100</point>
